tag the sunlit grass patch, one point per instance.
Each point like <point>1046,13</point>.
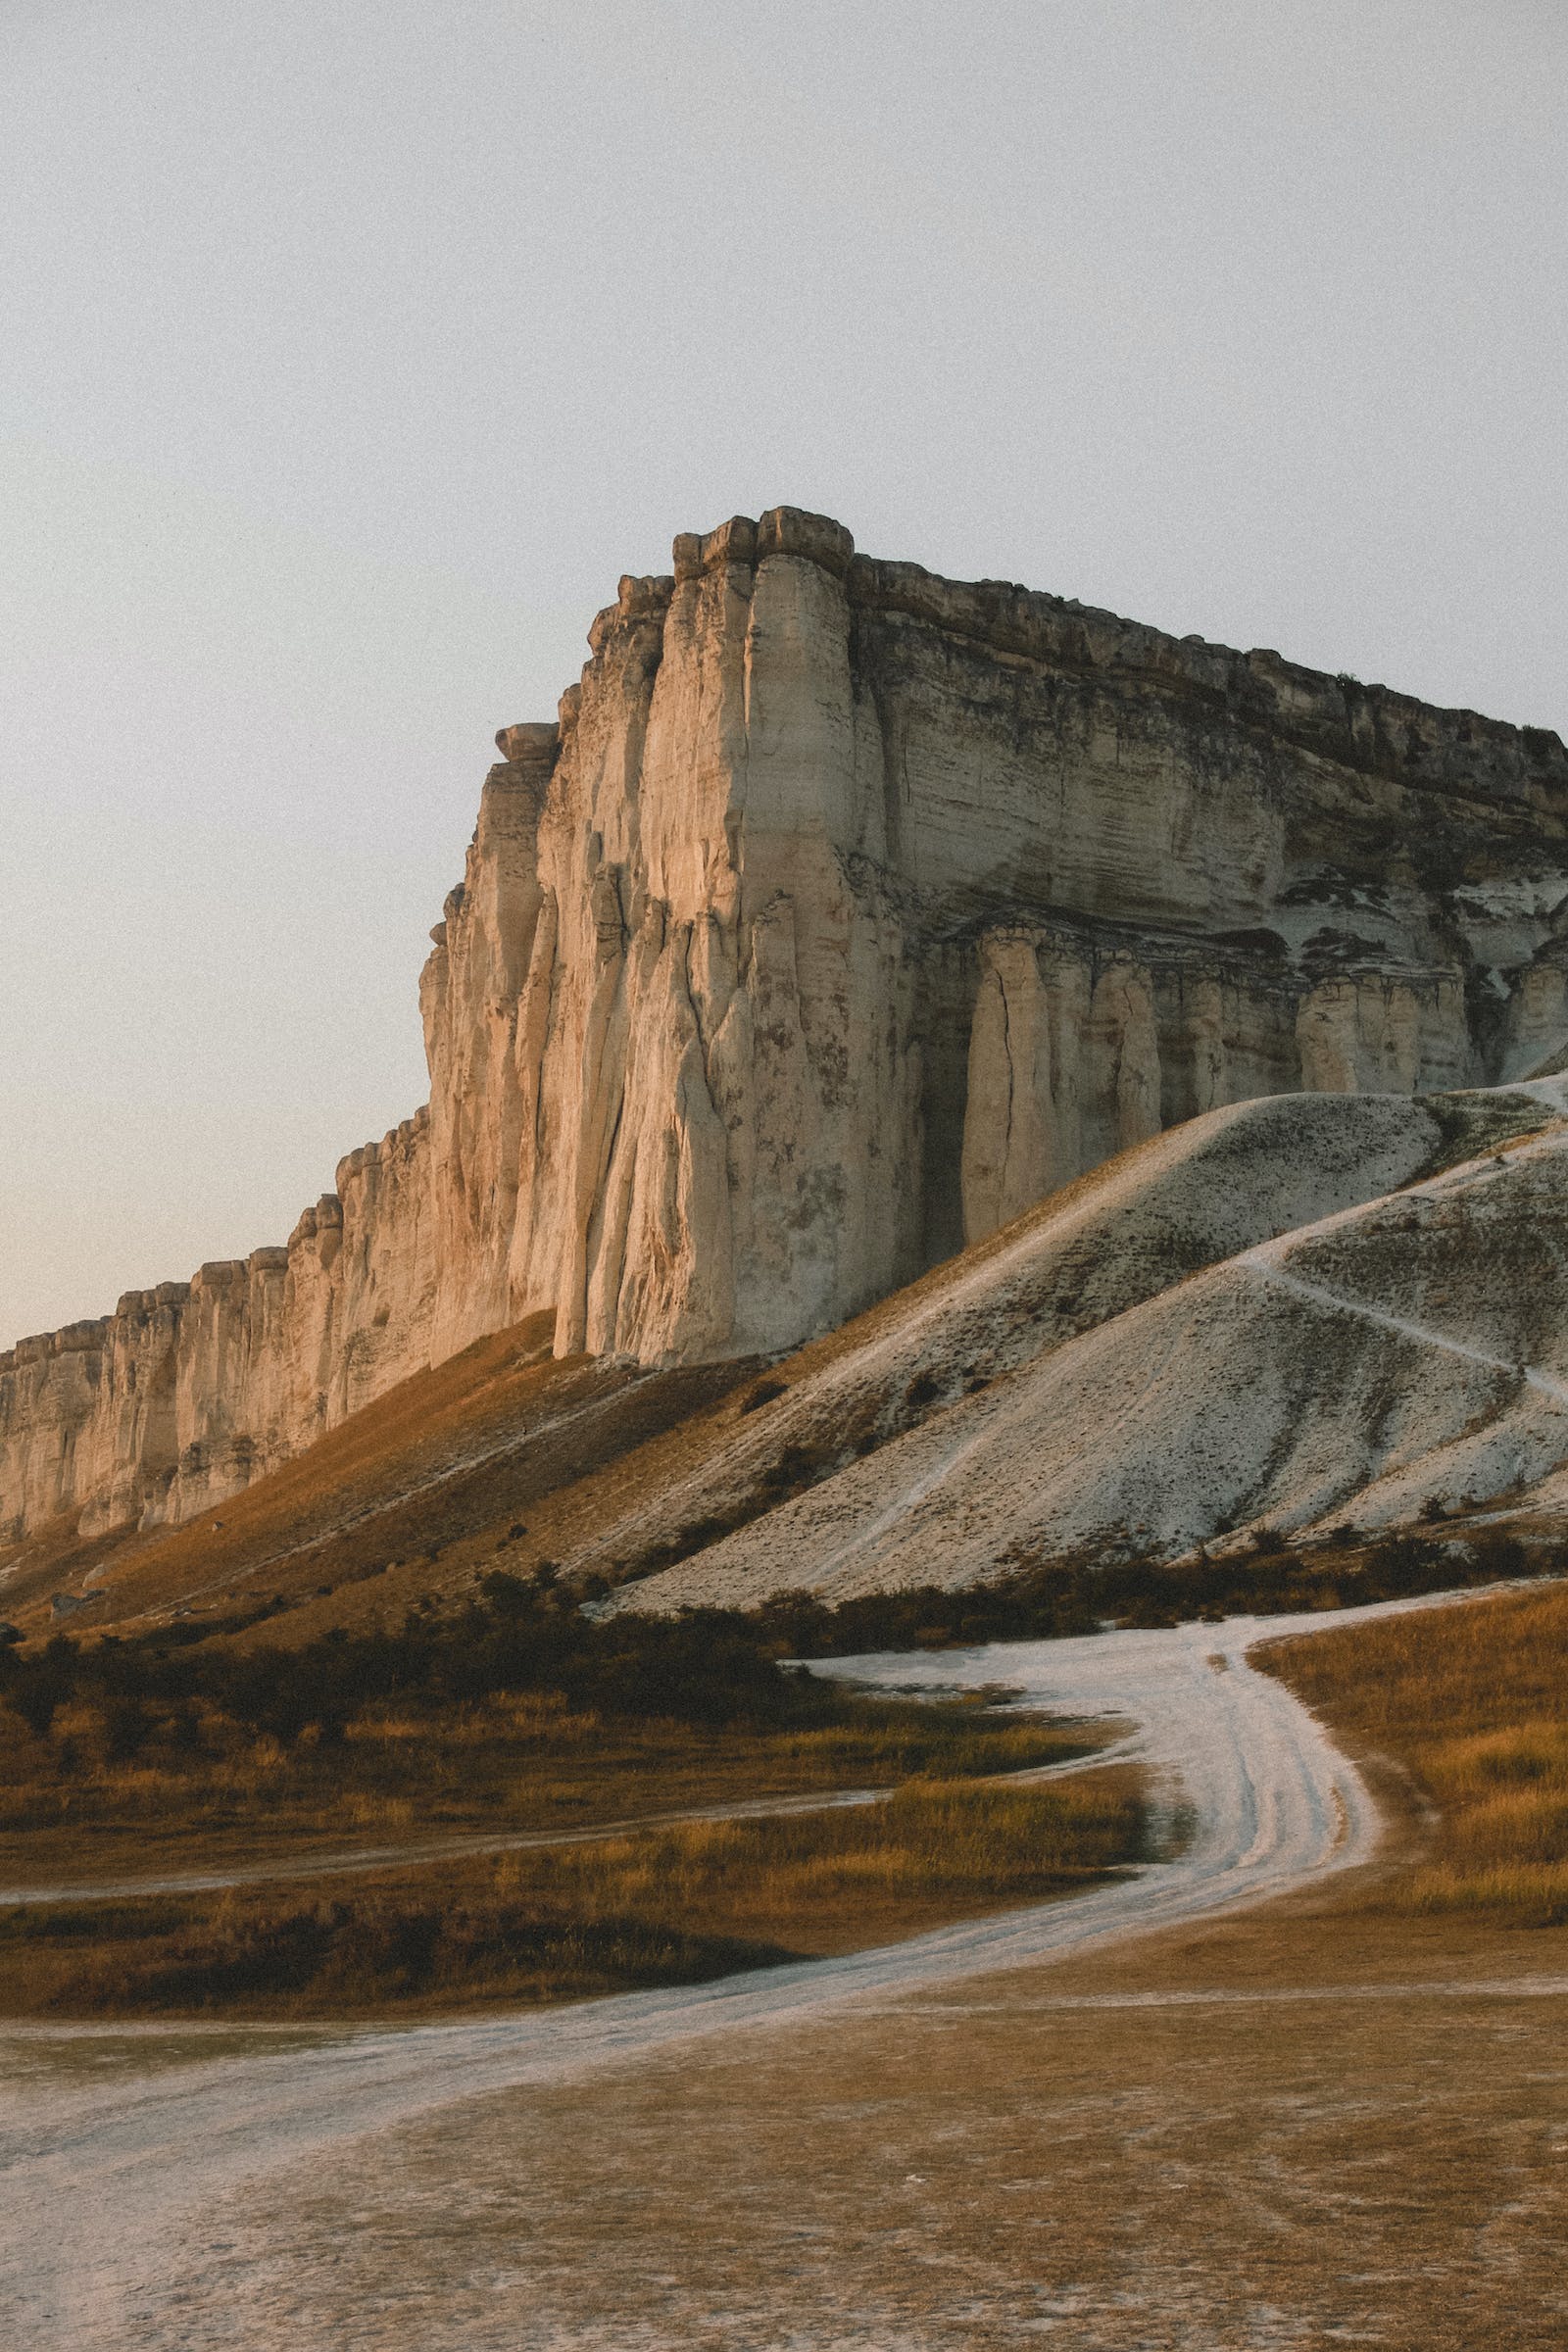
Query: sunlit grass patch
<point>1520,1895</point>
<point>930,1836</point>
<point>666,1906</point>
<point>505,1762</point>
<point>514,1710</point>
<point>1473,1700</point>
<point>1529,1755</point>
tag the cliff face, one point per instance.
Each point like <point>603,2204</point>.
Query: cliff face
<point>186,1393</point>
<point>845,912</point>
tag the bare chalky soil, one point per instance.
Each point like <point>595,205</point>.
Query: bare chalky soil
<point>1167,2154</point>
<point>1229,2100</point>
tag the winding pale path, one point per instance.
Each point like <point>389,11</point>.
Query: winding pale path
<point>112,2140</point>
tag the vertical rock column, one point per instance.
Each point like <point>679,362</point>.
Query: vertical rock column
<point>1064,1069</point>
<point>470,992</point>
<point>717,1091</point>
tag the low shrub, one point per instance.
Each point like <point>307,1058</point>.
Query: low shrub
<point>1044,1599</point>
<point>668,1906</point>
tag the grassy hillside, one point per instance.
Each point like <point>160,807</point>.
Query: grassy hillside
<point>489,1460</point>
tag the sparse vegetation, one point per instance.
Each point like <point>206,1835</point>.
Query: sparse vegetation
<point>1047,1599</point>
<point>512,1712</point>
<point>796,1467</point>
<point>668,1907</point>
<point>1475,1703</point>
<point>1472,1124</point>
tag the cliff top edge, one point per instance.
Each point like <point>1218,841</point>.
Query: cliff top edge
<point>1010,618</point>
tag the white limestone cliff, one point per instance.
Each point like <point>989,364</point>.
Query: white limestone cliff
<point>843,912</point>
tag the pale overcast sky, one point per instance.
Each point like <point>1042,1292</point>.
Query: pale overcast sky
<point>351,349</point>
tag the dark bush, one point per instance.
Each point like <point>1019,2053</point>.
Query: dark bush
<point>36,1698</point>
<point>703,1666</point>
<point>128,1727</point>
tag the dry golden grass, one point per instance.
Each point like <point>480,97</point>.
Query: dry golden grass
<point>668,1906</point>
<point>69,1812</point>
<point>1473,1701</point>
<point>931,1844</point>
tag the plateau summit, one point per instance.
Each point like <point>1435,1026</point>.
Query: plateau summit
<point>842,913</point>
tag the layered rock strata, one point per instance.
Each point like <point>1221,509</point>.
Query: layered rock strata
<point>843,911</point>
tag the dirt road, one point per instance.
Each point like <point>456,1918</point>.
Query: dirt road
<point>116,2145</point>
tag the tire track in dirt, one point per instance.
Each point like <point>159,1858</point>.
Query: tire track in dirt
<point>1269,1800</point>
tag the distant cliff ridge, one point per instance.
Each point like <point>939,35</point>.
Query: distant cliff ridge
<point>845,912</point>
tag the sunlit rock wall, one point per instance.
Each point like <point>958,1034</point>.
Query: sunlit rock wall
<point>843,912</point>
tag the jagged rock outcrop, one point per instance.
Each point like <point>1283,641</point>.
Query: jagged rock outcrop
<point>843,911</point>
